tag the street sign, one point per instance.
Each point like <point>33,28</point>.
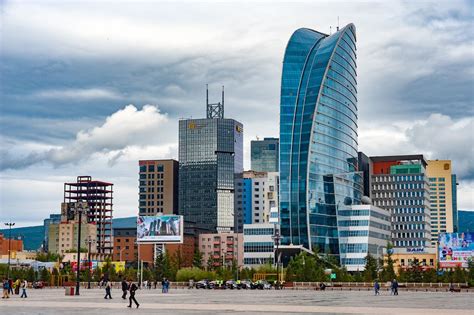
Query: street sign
<point>333,276</point>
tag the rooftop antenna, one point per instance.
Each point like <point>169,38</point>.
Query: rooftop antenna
<point>337,24</point>
<point>214,110</point>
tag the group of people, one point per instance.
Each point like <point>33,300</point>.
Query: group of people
<point>127,287</point>
<point>9,285</point>
<point>393,287</point>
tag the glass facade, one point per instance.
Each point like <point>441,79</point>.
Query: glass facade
<point>210,154</point>
<point>318,136</point>
<point>264,155</point>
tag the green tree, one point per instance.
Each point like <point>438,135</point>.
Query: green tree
<point>470,274</point>
<point>30,274</point>
<point>388,269</point>
<point>415,272</point>
<point>305,268</point>
<point>371,268</point>
<point>45,276</point>
<point>197,259</point>
<point>430,276</point>
<point>210,264</point>
<point>162,267</point>
<point>459,275</point>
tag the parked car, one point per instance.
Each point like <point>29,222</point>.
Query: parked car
<point>246,284</point>
<point>263,285</point>
<point>203,284</point>
<point>231,284</point>
<point>38,285</point>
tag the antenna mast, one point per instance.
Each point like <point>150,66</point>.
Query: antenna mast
<point>214,110</point>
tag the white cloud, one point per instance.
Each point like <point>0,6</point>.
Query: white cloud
<point>78,94</point>
<point>123,132</point>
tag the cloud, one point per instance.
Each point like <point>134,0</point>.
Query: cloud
<point>128,127</point>
<point>441,137</point>
<point>78,94</point>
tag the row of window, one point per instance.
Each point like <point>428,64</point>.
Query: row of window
<point>409,227</point>
<point>151,196</point>
<point>408,210</point>
<point>414,218</point>
<point>257,261</point>
<point>433,179</point>
<point>398,186</point>
<point>151,168</point>
<point>363,233</point>
<point>257,247</point>
<point>259,231</point>
<point>402,178</point>
<point>403,202</point>
<point>409,235</point>
<point>417,243</point>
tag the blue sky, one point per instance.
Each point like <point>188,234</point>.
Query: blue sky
<point>76,76</point>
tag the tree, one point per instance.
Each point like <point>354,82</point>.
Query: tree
<point>210,264</point>
<point>415,271</point>
<point>197,259</point>
<point>45,276</point>
<point>305,268</point>
<point>459,275</point>
<point>162,267</point>
<point>388,270</point>
<point>371,268</point>
<point>470,274</point>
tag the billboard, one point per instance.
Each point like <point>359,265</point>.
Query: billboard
<point>160,229</point>
<point>455,249</point>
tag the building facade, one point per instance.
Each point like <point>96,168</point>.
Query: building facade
<point>405,258</point>
<point>441,197</point>
<point>53,219</point>
<point>63,236</point>
<point>318,136</point>
<point>400,185</point>
<point>255,195</point>
<point>16,245</point>
<point>222,249</point>
<point>210,154</point>
<point>259,246</point>
<point>158,187</point>
<point>264,155</point>
<point>363,230</point>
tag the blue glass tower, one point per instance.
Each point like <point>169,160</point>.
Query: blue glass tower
<point>318,137</point>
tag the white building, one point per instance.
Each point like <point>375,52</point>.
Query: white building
<point>259,246</point>
<point>363,229</point>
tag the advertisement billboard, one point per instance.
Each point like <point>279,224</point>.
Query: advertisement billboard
<point>160,229</point>
<point>455,249</point>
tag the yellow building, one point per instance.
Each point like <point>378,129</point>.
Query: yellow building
<point>404,258</point>
<point>441,197</point>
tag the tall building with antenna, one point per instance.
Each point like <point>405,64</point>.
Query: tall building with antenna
<point>210,154</point>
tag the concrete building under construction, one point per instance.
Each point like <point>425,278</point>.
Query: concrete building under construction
<point>99,198</point>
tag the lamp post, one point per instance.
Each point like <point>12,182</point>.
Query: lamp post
<point>79,208</point>
<point>9,224</point>
<point>276,238</point>
<point>89,242</point>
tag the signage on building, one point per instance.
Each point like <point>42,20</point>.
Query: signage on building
<point>160,229</point>
<point>416,250</point>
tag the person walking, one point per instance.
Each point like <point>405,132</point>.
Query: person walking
<point>395,287</point>
<point>5,289</point>
<point>24,285</point>
<point>108,288</point>
<point>124,289</point>
<point>163,285</point>
<point>10,286</point>
<point>377,288</point>
<point>133,288</point>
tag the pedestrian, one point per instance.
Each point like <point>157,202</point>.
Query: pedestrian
<point>133,288</point>
<point>155,283</point>
<point>10,286</point>
<point>395,287</point>
<point>108,288</point>
<point>24,285</point>
<point>6,289</point>
<point>163,285</point>
<point>124,289</point>
<point>377,288</point>
<point>167,284</point>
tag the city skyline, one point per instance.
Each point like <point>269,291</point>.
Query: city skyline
<point>68,93</point>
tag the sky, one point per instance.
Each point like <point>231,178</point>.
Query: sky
<point>91,87</point>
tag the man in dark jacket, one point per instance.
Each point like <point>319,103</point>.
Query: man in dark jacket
<point>133,288</point>
<point>124,289</point>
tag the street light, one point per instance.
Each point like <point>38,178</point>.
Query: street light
<point>276,238</point>
<point>9,224</point>
<point>89,242</point>
<point>79,208</point>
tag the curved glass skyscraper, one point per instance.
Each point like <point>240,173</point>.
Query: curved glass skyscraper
<point>318,137</point>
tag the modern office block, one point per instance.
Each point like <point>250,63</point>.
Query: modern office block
<point>399,184</point>
<point>210,156</point>
<point>264,155</point>
<point>363,230</point>
<point>441,197</point>
<point>259,245</point>
<point>53,219</point>
<point>158,187</point>
<point>318,137</point>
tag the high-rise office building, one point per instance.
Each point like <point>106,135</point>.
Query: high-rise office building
<point>454,189</point>
<point>210,156</point>
<point>399,184</point>
<point>256,195</point>
<point>53,219</point>
<point>441,197</point>
<point>158,187</point>
<point>318,137</point>
<point>264,155</point>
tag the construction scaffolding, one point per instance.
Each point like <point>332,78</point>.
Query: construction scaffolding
<point>99,198</point>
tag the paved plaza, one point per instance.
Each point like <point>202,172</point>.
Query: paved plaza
<point>184,301</point>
